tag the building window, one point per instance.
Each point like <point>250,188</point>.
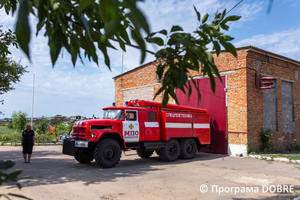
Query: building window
<point>288,116</point>
<point>151,116</point>
<point>270,109</point>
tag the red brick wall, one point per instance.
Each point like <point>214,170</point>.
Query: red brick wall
<point>245,101</point>
<point>280,69</point>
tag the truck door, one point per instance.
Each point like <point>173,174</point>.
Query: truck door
<point>131,129</point>
<point>152,127</point>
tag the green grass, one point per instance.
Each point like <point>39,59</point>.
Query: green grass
<point>291,157</point>
<point>6,130</point>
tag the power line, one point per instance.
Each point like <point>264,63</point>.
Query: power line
<point>224,5</point>
<point>234,7</point>
<point>244,7</point>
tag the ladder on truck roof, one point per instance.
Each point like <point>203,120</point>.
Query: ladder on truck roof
<point>159,107</point>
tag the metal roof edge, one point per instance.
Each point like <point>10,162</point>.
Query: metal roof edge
<point>248,48</point>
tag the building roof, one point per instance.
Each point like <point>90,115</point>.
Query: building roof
<point>248,48</point>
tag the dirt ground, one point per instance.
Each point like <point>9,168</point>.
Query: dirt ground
<point>52,175</point>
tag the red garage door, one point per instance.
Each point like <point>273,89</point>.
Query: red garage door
<point>216,107</point>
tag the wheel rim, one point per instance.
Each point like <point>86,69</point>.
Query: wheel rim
<point>189,148</point>
<point>109,153</point>
<point>172,149</point>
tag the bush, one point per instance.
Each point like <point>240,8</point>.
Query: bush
<point>42,127</point>
<point>10,125</point>
<point>11,138</point>
<point>69,126</point>
<point>39,138</point>
<point>46,138</point>
<point>60,129</point>
<point>266,140</point>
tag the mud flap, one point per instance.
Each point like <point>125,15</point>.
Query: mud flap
<point>69,147</point>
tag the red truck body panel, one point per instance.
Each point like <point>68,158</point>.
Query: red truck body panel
<point>152,123</point>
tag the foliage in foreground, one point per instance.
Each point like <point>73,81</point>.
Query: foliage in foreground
<point>87,25</point>
<point>9,179</point>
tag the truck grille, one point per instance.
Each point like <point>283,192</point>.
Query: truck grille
<point>79,132</point>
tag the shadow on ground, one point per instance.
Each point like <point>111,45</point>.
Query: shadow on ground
<point>52,167</point>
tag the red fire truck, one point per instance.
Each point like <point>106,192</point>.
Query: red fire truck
<point>145,126</point>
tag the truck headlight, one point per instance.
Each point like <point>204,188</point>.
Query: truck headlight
<point>93,135</point>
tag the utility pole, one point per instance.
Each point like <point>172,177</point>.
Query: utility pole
<point>32,99</point>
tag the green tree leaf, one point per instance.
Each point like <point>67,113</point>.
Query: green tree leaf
<point>22,28</point>
<point>155,40</point>
<point>229,47</point>
<point>198,14</point>
<point>83,4</point>
<point>164,32</point>
<point>205,18</point>
<point>176,28</point>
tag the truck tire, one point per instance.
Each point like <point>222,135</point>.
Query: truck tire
<point>188,148</point>
<point>171,151</point>
<point>144,154</point>
<point>83,155</point>
<point>107,153</point>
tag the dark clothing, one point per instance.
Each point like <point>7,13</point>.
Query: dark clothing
<point>27,148</point>
<point>28,137</point>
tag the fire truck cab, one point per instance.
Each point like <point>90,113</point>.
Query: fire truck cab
<point>145,126</point>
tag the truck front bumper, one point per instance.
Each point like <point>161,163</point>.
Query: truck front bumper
<point>71,145</point>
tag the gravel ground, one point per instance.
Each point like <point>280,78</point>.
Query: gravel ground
<point>52,175</point>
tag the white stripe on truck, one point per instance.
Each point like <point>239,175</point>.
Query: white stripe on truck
<point>201,125</point>
<point>151,124</point>
<point>185,125</point>
<point>178,125</point>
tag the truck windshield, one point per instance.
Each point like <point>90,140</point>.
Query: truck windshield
<point>113,114</point>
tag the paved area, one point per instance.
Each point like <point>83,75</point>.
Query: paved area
<point>52,175</point>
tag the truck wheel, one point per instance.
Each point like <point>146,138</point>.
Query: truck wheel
<point>144,154</point>
<point>171,151</point>
<point>157,152</point>
<point>107,153</point>
<point>83,155</point>
<point>188,148</point>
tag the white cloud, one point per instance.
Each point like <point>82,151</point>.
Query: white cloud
<point>285,43</point>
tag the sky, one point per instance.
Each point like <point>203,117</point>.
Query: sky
<point>86,89</point>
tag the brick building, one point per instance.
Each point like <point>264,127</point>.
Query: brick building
<point>248,109</point>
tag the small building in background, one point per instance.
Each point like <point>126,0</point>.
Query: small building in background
<point>242,107</point>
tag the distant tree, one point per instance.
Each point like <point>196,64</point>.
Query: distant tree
<point>60,129</point>
<point>19,120</point>
<point>57,119</point>
<point>10,70</point>
<point>42,126</point>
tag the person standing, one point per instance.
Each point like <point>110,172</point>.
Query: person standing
<point>27,142</point>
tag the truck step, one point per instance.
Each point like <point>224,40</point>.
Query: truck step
<point>154,145</point>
